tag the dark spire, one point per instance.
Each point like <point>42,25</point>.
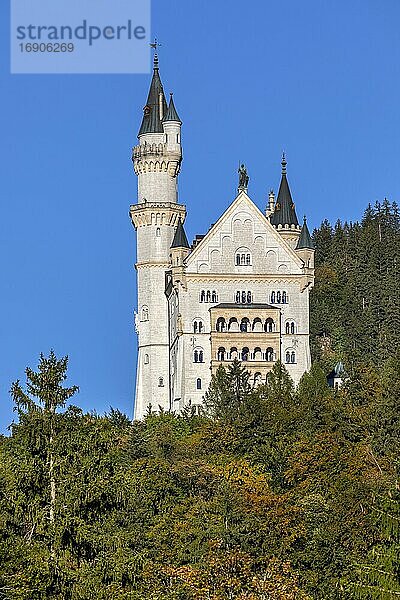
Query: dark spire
<point>180,240</point>
<point>305,240</point>
<point>172,115</point>
<point>152,115</point>
<point>285,212</point>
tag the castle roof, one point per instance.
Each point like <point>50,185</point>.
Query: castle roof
<point>180,240</point>
<point>305,240</point>
<point>285,212</point>
<point>153,112</point>
<point>172,114</point>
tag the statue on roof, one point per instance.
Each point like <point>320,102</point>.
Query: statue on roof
<point>243,178</point>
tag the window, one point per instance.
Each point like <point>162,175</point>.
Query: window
<point>161,382</point>
<point>245,354</point>
<point>208,296</point>
<point>278,297</point>
<point>269,355</point>
<point>202,296</point>
<point>243,297</point>
<point>158,232</point>
<point>269,325</point>
<point>242,257</point>
<point>198,326</point>
<point>290,327</point>
<point>198,355</point>
<point>290,357</point>
<point>145,313</point>
<point>198,384</point>
<point>221,324</point>
<point>293,357</point>
<point>146,359</point>
<point>284,298</point>
<point>221,354</point>
<point>244,325</point>
<point>272,297</point>
<point>214,296</point>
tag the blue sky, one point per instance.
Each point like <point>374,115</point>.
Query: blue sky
<point>317,79</point>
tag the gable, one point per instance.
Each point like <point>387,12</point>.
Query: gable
<point>243,231</point>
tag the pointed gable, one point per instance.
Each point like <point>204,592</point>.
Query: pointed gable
<point>243,230</point>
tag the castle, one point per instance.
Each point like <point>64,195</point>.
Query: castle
<point>240,291</point>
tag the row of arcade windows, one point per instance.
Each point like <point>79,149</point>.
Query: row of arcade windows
<point>208,296</point>
<point>243,297</point>
<point>290,327</point>
<point>245,325</point>
<point>245,354</point>
<point>279,297</point>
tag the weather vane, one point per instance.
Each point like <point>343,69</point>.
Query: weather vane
<point>155,45</point>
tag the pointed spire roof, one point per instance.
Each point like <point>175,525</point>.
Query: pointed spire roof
<point>285,212</point>
<point>152,115</point>
<point>305,240</point>
<point>180,240</point>
<point>172,115</point>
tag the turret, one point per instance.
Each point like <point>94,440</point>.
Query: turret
<point>271,204</point>
<point>158,156</point>
<point>179,251</point>
<point>305,247</point>
<point>284,217</point>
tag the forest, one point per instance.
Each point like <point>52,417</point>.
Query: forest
<point>271,493</point>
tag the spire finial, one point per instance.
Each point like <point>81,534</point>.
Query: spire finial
<point>155,45</point>
<point>283,163</point>
<point>305,220</point>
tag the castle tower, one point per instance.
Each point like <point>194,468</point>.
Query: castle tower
<point>156,160</point>
<point>284,217</point>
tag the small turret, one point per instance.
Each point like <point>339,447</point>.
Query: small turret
<point>172,128</point>
<point>305,246</point>
<point>179,251</point>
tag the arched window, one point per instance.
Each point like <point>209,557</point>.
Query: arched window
<point>257,325</point>
<point>201,327</point>
<point>284,297</point>
<point>257,378</point>
<point>198,384</point>
<point>221,324</point>
<point>201,356</point>
<point>198,355</point>
<point>237,259</point>
<point>242,257</point>
<point>214,296</point>
<point>221,353</point>
<point>233,324</point>
<point>245,354</point>
<point>287,328</point>
<point>287,357</point>
<point>293,357</point>
<point>278,297</point>
<point>269,325</point>
<point>208,296</point>
<point>161,382</point>
<point>244,325</point>
<point>292,328</point>
<point>237,297</point>
<point>269,355</point>
<point>233,353</point>
<point>248,297</point>
<point>195,327</point>
<point>146,359</point>
<point>202,296</point>
<point>145,313</point>
<point>248,259</point>
<point>158,232</point>
<point>272,297</point>
<point>257,354</point>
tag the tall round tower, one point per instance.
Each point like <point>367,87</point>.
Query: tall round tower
<point>156,160</point>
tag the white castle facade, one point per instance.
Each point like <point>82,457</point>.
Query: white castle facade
<point>240,291</point>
